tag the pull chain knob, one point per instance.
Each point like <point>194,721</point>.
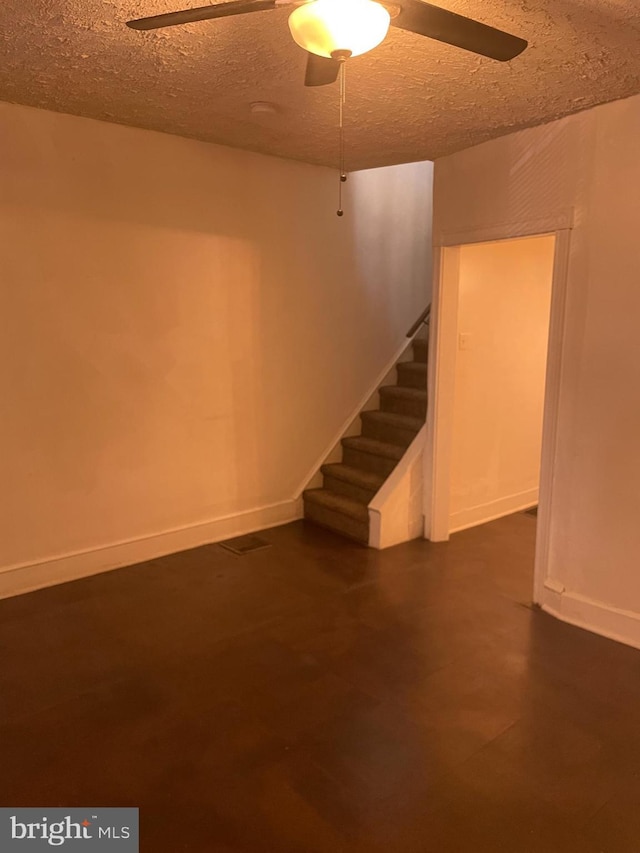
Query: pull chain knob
<point>342,56</point>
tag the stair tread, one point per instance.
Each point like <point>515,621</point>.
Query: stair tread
<point>377,448</point>
<point>413,366</point>
<point>404,392</point>
<point>404,421</point>
<point>357,476</point>
<point>338,503</point>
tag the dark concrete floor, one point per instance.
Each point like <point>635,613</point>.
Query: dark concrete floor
<point>318,697</point>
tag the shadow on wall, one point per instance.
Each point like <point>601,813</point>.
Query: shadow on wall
<point>390,206</point>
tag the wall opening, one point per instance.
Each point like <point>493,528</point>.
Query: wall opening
<point>500,293</point>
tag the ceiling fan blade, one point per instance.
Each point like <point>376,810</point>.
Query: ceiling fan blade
<point>321,71</point>
<point>202,13</point>
<point>442,25</point>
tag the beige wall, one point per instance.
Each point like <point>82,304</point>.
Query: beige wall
<point>587,163</point>
<point>504,293</point>
<point>184,326</point>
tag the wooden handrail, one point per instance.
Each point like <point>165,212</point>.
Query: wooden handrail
<point>422,319</point>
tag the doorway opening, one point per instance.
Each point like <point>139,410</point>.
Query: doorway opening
<point>494,306</point>
<point>504,299</point>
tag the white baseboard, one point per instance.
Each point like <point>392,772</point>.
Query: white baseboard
<point>15,580</point>
<point>620,625</point>
<point>490,511</point>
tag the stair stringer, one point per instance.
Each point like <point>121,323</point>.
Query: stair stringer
<point>332,452</point>
<point>396,513</point>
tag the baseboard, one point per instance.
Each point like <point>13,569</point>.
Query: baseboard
<point>16,580</point>
<point>493,510</point>
<point>604,619</point>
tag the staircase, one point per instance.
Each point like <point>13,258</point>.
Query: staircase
<point>368,459</point>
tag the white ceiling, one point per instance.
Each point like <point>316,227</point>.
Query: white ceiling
<point>410,99</point>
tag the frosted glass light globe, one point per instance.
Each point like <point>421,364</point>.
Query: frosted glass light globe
<point>326,26</point>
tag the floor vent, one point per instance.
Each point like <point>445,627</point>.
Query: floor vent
<point>245,544</point>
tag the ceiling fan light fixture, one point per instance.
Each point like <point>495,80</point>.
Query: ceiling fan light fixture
<point>339,27</point>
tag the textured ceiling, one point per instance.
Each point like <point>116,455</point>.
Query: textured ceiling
<point>410,99</point>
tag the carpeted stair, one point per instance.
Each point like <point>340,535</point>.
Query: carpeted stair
<point>368,459</point>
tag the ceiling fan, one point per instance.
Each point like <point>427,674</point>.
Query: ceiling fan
<point>333,30</point>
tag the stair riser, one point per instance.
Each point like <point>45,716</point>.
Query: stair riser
<point>387,433</point>
<point>368,461</point>
<point>337,522</point>
<point>421,351</point>
<point>411,378</point>
<point>400,406</point>
<point>349,490</point>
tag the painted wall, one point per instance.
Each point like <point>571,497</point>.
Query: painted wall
<point>588,163</point>
<point>184,327</point>
<point>396,513</point>
<point>504,295</point>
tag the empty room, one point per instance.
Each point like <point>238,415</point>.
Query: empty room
<point>318,435</point>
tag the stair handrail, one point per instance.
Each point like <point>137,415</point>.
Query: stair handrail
<point>422,320</point>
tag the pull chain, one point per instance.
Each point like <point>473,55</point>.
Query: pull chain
<point>343,97</point>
